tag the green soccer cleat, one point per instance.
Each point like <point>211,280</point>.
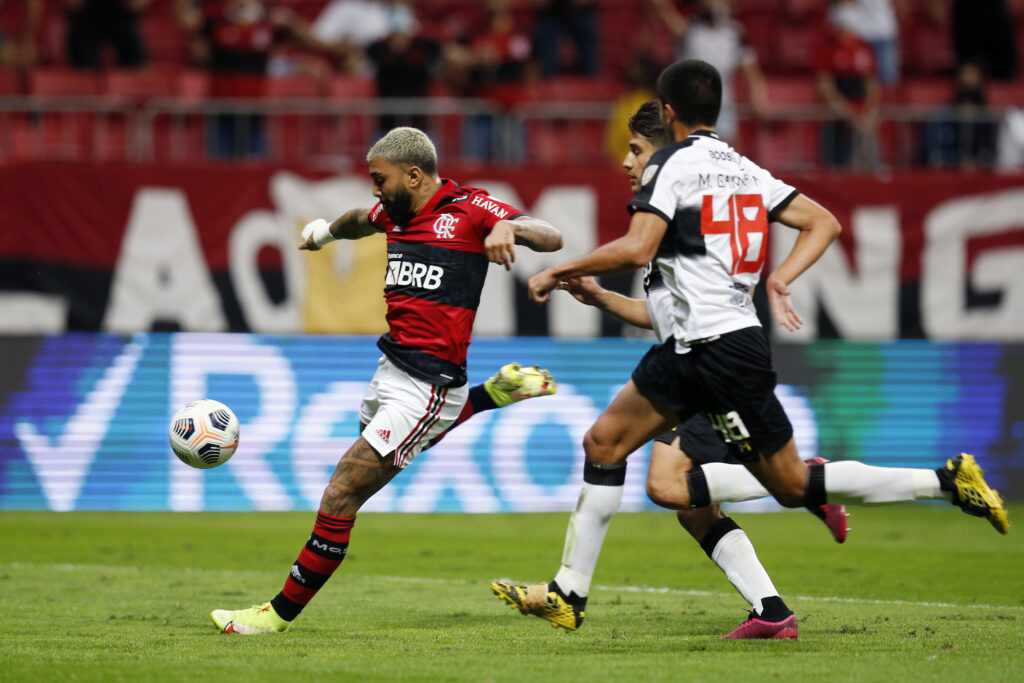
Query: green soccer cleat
<point>962,476</point>
<point>514,383</point>
<point>542,601</point>
<point>256,620</point>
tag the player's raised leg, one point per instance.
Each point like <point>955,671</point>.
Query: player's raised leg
<point>960,481</point>
<point>511,384</point>
<point>629,422</point>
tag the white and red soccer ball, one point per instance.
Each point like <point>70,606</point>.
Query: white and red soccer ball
<point>204,433</point>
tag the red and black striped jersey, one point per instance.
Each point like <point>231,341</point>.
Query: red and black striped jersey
<point>436,270</point>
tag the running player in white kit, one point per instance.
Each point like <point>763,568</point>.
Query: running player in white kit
<point>702,214</point>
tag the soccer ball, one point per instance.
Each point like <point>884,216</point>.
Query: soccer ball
<point>204,433</point>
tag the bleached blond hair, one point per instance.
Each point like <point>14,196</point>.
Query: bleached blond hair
<point>406,146</point>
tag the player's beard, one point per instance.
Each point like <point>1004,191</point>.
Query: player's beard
<point>399,209</point>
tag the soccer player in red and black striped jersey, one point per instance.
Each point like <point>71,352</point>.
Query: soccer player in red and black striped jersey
<point>440,238</point>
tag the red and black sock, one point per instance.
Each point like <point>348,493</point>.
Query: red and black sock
<point>324,551</point>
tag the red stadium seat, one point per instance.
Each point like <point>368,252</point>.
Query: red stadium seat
<point>141,84</point>
<point>927,91</point>
<point>192,85</point>
<point>929,50</point>
<point>352,87</point>
<point>164,41</point>
<point>10,83</point>
<point>796,46</point>
<point>573,89</point>
<point>1005,94</point>
<point>293,86</point>
<point>793,90</point>
<point>58,81</point>
<point>804,9</point>
<point>760,32</point>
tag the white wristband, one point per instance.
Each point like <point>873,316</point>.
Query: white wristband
<point>320,231</point>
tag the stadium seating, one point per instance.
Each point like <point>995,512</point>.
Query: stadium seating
<point>10,83</point>
<point>141,84</point>
<point>44,81</point>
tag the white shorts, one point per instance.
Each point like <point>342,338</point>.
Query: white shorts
<point>403,414</point>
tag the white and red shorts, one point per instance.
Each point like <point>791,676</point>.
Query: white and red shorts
<point>403,414</point>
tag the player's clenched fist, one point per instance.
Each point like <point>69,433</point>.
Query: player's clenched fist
<point>316,234</point>
<point>541,284</point>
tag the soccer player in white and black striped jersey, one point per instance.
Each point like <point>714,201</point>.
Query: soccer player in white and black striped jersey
<point>702,214</point>
<point>675,452</point>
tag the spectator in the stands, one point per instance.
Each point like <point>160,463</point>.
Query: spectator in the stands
<point>576,19</point>
<point>983,34</point>
<point>845,72</point>
<point>18,50</point>
<point>715,37</point>
<point>406,63</point>
<point>875,21</point>
<point>350,26</point>
<point>493,62</point>
<point>641,78</point>
<point>964,133</point>
<point>92,24</point>
<point>234,40</point>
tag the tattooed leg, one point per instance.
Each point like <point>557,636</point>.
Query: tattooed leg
<point>360,473</point>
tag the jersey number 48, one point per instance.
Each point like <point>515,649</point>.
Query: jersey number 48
<point>747,227</point>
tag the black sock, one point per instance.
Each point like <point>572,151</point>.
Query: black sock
<point>720,528</point>
<point>700,496</point>
<point>815,495</point>
<point>480,399</point>
<point>774,609</point>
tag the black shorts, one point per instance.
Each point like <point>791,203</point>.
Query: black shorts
<point>729,380</point>
<point>699,440</point>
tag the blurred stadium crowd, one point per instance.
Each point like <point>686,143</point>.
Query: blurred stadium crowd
<point>849,84</point>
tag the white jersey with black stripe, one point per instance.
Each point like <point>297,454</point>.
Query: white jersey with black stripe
<point>659,302</point>
<point>718,205</point>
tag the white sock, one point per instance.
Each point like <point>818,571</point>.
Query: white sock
<point>850,481</point>
<point>731,483</point>
<point>734,554</point>
<point>585,535</point>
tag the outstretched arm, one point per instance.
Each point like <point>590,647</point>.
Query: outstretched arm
<point>530,232</point>
<point>352,225</point>
<point>818,229</point>
<point>634,249</point>
<point>586,290</point>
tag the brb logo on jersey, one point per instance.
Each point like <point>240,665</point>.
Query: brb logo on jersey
<point>406,273</point>
<point>444,226</point>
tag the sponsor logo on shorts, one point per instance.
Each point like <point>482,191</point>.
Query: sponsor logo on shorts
<point>384,434</point>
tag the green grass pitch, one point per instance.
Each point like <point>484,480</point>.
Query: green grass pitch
<point>918,592</point>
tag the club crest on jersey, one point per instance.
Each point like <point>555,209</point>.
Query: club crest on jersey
<point>444,226</point>
<point>649,173</point>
